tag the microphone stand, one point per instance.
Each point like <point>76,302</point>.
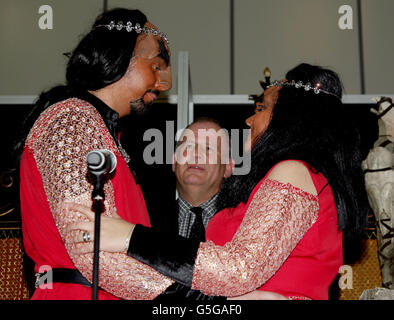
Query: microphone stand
<point>101,163</point>
<point>98,197</point>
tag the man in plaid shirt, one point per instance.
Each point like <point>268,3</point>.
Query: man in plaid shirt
<point>201,163</point>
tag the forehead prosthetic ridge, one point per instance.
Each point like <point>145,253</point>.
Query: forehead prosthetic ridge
<point>149,47</point>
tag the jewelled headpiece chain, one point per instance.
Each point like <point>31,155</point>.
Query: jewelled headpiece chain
<point>129,28</point>
<point>300,85</point>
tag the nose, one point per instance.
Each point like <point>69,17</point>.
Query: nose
<point>164,80</point>
<point>249,121</point>
<point>198,155</point>
<point>163,85</point>
<point>194,155</point>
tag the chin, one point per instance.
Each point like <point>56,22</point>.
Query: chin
<point>193,180</point>
<point>138,107</point>
<point>247,146</point>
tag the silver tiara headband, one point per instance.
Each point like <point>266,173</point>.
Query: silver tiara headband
<point>300,85</point>
<point>136,28</point>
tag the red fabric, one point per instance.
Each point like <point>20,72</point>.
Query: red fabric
<point>41,238</point>
<point>313,264</point>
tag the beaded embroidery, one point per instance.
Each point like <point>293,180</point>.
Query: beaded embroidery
<point>276,220</point>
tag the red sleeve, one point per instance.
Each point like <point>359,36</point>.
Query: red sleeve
<point>277,218</point>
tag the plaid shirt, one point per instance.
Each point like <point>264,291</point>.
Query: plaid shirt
<point>186,216</point>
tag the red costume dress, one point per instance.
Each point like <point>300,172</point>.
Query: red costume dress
<point>283,240</point>
<point>53,170</point>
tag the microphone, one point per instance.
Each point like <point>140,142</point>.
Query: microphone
<point>101,162</point>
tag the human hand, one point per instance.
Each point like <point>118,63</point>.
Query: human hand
<point>114,232</point>
<point>260,295</point>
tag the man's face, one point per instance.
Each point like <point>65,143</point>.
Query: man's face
<point>149,71</point>
<point>202,159</point>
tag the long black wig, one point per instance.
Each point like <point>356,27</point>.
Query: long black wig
<point>314,128</point>
<point>100,59</point>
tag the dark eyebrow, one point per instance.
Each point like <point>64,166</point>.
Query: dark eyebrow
<point>180,142</point>
<point>163,52</point>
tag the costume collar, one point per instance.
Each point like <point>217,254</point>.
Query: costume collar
<point>110,116</point>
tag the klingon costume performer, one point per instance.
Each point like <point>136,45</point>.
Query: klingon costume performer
<point>54,170</point>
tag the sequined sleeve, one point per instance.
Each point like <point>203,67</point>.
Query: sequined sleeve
<point>276,220</point>
<point>60,141</point>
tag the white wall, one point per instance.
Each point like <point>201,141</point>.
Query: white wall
<point>378,17</point>
<point>274,33</point>
<point>199,27</point>
<point>282,34</point>
<point>32,59</point>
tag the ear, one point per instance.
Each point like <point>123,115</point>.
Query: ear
<point>229,168</point>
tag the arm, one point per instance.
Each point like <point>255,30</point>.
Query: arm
<point>276,220</point>
<point>61,140</point>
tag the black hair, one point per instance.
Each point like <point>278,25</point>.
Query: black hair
<point>103,56</point>
<point>316,129</point>
<point>100,58</point>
